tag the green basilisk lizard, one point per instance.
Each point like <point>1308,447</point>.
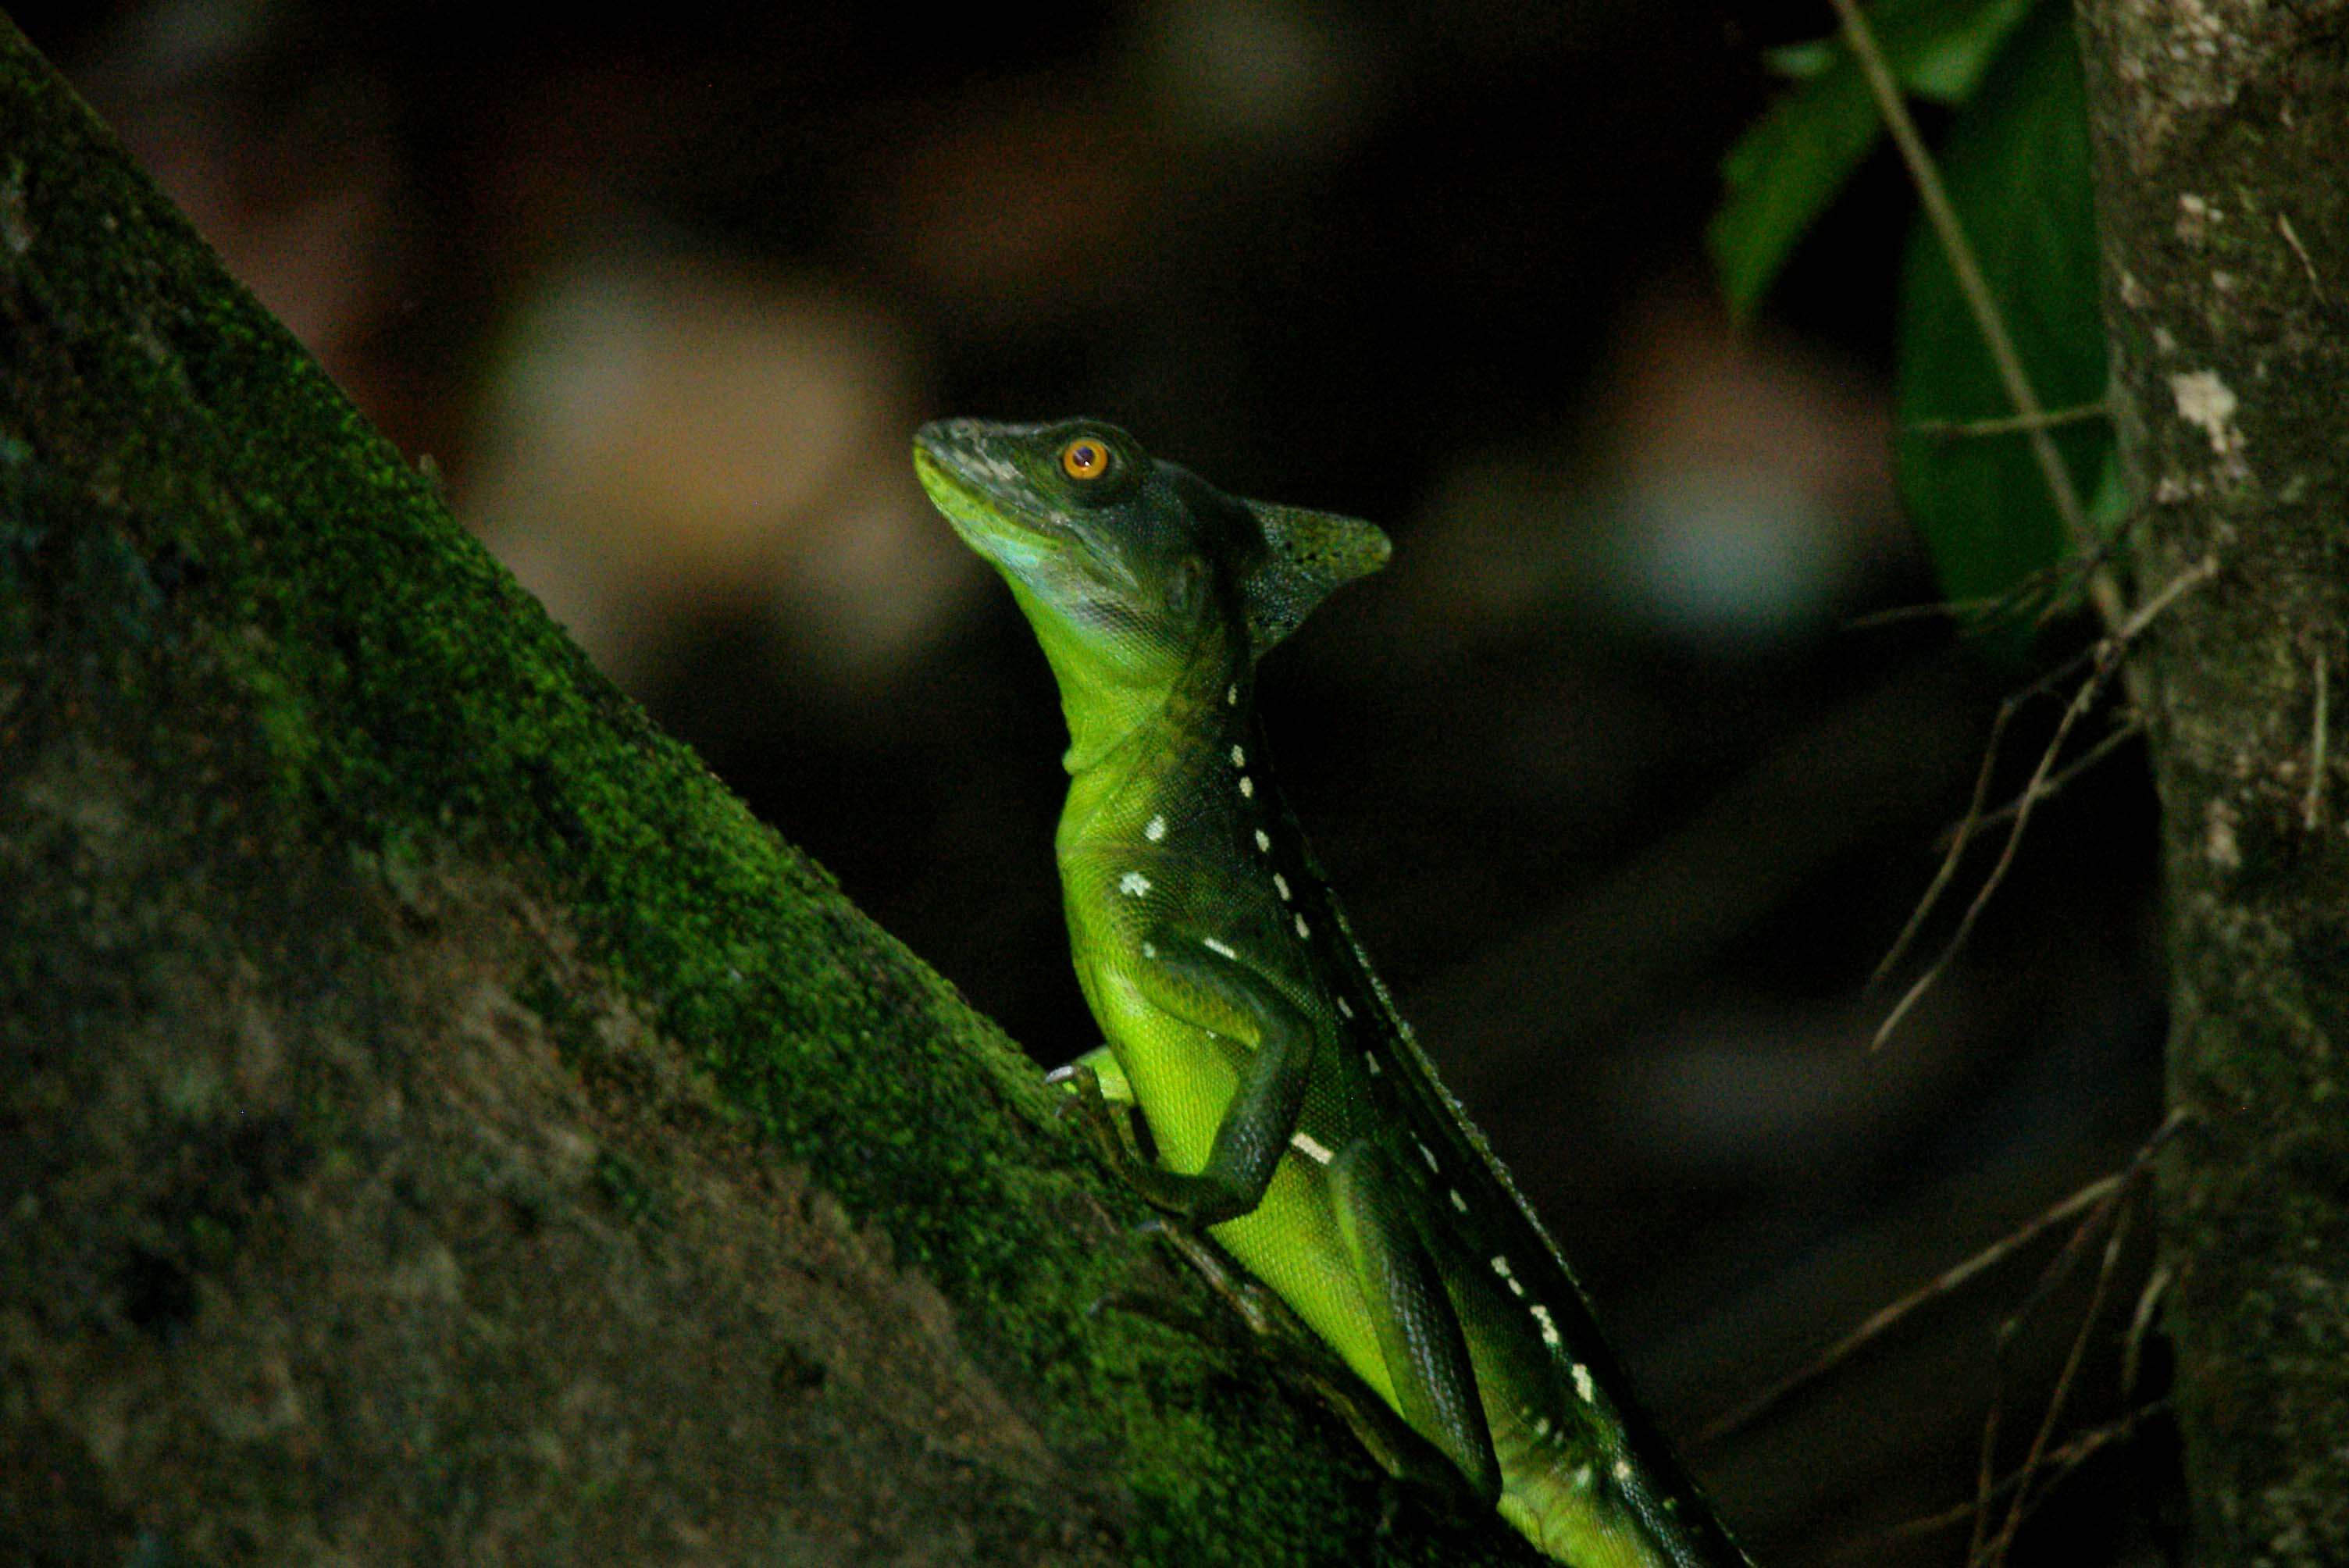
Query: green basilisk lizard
<point>1294,1116</point>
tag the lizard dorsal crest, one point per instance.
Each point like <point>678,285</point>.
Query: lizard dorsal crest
<point>1307,556</point>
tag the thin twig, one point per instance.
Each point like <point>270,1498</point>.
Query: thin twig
<point>2291,237</point>
<point>2128,728</point>
<point>2050,1279</point>
<point>2312,810</point>
<point>2144,614</point>
<point>1948,870</point>
<point>2058,1268</point>
<point>1950,1279</point>
<point>2088,566</point>
<point>2139,1163</point>
<point>2061,1461</point>
<point>1884,1318</point>
<point>1986,1468</point>
<point>2082,701</point>
<point>1940,609</point>
<point>2107,657</point>
<point>2041,583</point>
<point>2148,1301</point>
<point>2040,1440</point>
<point>1963,832</point>
<point>1988,319</point>
<point>2013,424</point>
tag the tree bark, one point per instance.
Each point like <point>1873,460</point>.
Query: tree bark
<point>436,1123</point>
<point>2221,138</point>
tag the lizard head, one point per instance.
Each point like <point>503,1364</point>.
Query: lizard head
<point>1128,566</point>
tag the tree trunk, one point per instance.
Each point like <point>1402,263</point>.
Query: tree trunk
<point>2221,137</point>
<point>436,1123</point>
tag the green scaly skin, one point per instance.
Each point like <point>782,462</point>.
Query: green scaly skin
<point>1295,1117</point>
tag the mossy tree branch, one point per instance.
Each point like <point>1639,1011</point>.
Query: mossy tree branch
<point>436,1120</point>
<point>2221,137</point>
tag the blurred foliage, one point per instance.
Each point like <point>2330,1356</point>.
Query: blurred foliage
<point>1797,160</point>
<point>2014,158</point>
<point>2017,167</point>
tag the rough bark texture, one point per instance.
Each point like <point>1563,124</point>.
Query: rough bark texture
<point>2221,133</point>
<point>435,1122</point>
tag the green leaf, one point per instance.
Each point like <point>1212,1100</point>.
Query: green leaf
<point>2016,165</point>
<point>1788,169</point>
<point>1784,173</point>
<point>1945,63</point>
<point>1801,62</point>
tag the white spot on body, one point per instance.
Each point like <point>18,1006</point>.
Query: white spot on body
<point>1239,758</point>
<point>1263,841</point>
<point>1583,1386</point>
<point>1281,885</point>
<point>1549,1326</point>
<point>1458,1201</point>
<point>1582,1479</point>
<point>1305,1143</point>
<point>1303,929</point>
<point>1343,1009</point>
<point>1231,697</point>
<point>1212,945</point>
<point>1247,787</point>
<point>1149,950</point>
<point>1623,1469</point>
<point>1133,884</point>
<point>1427,1154</point>
<point>1371,1062</point>
<point>1500,1265</point>
<point>1155,831</point>
<point>1515,1289</point>
<point>1541,1428</point>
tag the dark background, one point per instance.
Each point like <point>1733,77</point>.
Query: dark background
<point>1623,800</point>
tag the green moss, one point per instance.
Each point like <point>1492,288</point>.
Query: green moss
<point>627,1185</point>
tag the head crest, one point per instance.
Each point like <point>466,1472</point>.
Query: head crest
<point>1306,555</point>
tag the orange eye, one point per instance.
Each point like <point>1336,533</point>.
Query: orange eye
<point>1084,459</point>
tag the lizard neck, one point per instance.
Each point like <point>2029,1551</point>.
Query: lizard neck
<point>1130,760</point>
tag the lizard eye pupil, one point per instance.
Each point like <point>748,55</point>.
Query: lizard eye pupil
<point>1084,459</point>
